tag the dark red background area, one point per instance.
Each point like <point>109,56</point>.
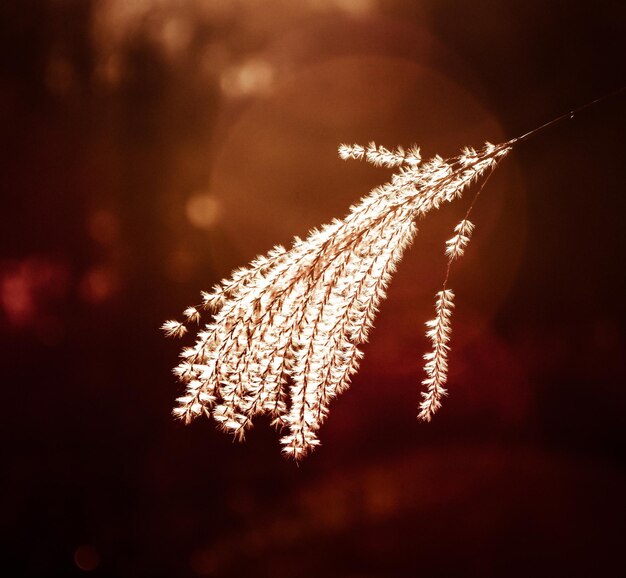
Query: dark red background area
<point>110,127</point>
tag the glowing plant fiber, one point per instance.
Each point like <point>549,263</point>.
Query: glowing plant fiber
<point>285,331</point>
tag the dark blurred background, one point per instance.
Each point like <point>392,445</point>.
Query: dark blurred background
<point>150,146</point>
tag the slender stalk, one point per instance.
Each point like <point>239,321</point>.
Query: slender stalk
<point>567,116</point>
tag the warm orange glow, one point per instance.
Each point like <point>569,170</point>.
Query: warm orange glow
<point>152,147</point>
<point>254,77</point>
<point>203,210</point>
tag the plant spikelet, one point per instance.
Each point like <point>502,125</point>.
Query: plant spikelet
<point>285,331</point>
<point>455,247</point>
<point>174,329</point>
<point>436,367</point>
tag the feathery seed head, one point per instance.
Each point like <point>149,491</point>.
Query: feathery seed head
<point>285,330</point>
<point>174,329</point>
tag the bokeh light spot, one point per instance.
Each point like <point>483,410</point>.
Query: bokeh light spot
<point>98,284</point>
<point>203,210</point>
<point>28,286</point>
<point>86,558</point>
<point>176,34</point>
<point>254,77</point>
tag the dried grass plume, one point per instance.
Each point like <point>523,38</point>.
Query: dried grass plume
<point>285,331</point>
